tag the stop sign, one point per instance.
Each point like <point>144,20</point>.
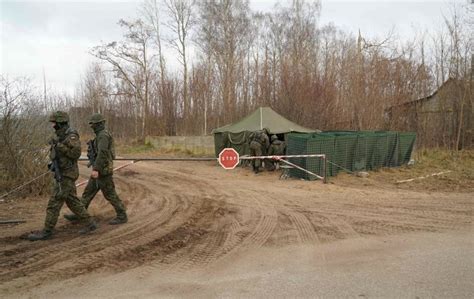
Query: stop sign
<point>228,158</point>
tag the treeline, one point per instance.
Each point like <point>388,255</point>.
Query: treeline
<point>233,60</point>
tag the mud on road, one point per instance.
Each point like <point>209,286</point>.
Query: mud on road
<point>185,216</point>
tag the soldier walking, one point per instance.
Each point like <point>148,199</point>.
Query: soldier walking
<point>101,153</point>
<point>64,152</point>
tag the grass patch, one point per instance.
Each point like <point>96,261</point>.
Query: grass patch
<point>427,162</point>
<point>128,149</point>
<point>148,150</point>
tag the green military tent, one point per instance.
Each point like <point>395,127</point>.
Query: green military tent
<point>236,135</point>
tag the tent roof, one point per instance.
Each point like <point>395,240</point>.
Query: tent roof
<point>264,117</point>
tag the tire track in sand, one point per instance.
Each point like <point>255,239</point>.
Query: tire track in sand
<point>51,262</point>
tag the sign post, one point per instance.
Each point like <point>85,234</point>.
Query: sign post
<point>229,158</point>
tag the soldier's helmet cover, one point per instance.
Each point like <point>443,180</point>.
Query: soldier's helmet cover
<point>96,118</point>
<point>266,130</point>
<point>59,117</point>
<point>274,137</point>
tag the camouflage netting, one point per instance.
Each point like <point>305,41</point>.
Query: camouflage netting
<point>349,151</point>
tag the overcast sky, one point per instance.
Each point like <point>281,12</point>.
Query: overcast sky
<point>56,36</point>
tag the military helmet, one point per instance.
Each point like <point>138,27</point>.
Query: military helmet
<point>274,137</point>
<point>59,117</point>
<point>96,118</point>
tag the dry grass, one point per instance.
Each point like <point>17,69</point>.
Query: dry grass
<point>148,150</point>
<point>427,162</point>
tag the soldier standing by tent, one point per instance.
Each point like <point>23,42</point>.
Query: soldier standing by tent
<point>259,144</point>
<point>64,153</point>
<point>277,148</point>
<point>101,153</point>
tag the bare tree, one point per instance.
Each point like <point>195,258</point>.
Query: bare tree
<point>23,131</point>
<point>460,54</point>
<point>224,32</point>
<point>151,12</point>
<point>282,59</point>
<point>181,21</point>
<point>132,61</point>
<point>95,88</point>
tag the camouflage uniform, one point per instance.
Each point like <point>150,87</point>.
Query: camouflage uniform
<point>66,149</point>
<point>259,143</point>
<point>277,148</point>
<point>103,163</point>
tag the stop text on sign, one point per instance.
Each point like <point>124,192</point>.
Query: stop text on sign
<point>228,158</point>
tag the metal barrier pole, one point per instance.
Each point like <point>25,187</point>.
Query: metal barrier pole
<point>325,173</point>
<point>280,158</point>
<point>302,169</point>
<point>115,169</point>
<point>159,159</point>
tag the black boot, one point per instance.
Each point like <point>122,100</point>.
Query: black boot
<point>119,220</point>
<point>40,235</point>
<point>92,226</point>
<point>71,217</point>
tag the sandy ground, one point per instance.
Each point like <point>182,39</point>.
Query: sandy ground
<point>196,230</point>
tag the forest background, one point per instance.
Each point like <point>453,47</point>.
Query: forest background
<point>318,76</point>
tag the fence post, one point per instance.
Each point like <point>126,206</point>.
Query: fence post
<point>325,174</point>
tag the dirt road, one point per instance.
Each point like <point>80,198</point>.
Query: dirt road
<point>197,230</point>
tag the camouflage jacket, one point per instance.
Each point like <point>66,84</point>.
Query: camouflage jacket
<point>277,148</point>
<point>104,147</point>
<point>260,137</point>
<point>68,151</point>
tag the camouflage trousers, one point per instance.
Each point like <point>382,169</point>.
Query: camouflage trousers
<point>107,186</point>
<point>256,150</point>
<point>64,191</point>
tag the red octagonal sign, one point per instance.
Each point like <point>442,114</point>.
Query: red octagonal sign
<point>228,158</point>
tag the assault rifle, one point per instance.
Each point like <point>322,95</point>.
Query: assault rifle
<point>54,165</point>
<point>91,153</point>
